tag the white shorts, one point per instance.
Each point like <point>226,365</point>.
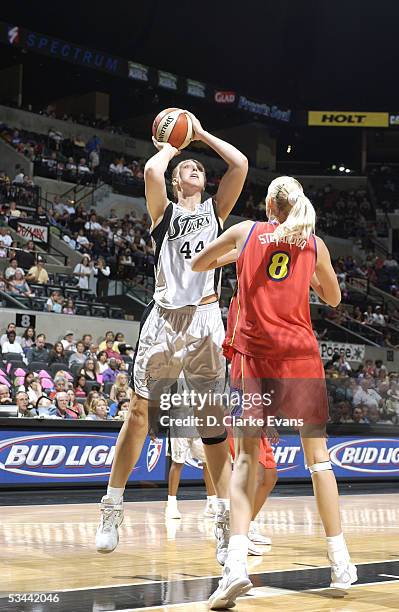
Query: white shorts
<point>187,340</point>
<point>183,449</point>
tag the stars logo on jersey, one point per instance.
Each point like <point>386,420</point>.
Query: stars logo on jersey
<point>188,224</point>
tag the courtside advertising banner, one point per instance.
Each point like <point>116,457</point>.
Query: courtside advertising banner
<point>31,457</point>
<point>348,119</point>
<point>350,456</point>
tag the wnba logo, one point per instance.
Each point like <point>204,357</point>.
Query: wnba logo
<point>153,453</point>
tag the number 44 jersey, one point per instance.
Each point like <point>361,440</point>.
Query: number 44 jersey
<point>177,239</point>
<point>273,313</point>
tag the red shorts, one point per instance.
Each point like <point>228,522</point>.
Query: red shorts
<point>266,457</point>
<point>292,389</point>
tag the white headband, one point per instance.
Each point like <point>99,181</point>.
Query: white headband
<point>293,196</point>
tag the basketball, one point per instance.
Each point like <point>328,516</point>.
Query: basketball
<point>174,126</point>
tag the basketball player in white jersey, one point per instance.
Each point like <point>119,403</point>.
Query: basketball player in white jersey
<point>183,329</point>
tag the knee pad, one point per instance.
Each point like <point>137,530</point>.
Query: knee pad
<point>216,440</point>
<point>319,467</point>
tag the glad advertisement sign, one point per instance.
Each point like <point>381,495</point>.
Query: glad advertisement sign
<point>351,457</point>
<point>32,457</point>
<point>225,97</point>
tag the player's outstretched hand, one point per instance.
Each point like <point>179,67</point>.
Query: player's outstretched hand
<point>272,435</point>
<point>197,127</point>
<point>161,145</point>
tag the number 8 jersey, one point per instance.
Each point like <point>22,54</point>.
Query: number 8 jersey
<point>177,239</point>
<point>273,312</point>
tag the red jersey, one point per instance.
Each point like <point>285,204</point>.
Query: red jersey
<point>273,313</point>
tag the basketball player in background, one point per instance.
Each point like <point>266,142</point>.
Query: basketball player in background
<point>185,445</point>
<point>275,348</point>
<point>183,330</point>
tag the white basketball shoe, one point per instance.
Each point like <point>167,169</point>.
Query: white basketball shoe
<point>172,511</point>
<point>107,536</point>
<point>256,537</point>
<point>234,582</point>
<point>343,575</point>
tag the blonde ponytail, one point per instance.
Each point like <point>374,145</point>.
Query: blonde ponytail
<point>291,203</point>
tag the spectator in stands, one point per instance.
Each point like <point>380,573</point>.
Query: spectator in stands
<point>110,374</point>
<point>19,286</point>
<point>60,384</point>
<point>40,216</point>
<point>87,340</point>
<point>119,339</point>
<point>102,271</point>
<point>79,386</point>
<point>358,414</point>
<point>32,387</point>
<point>109,335</point>
<point>13,211</point>
<point>102,360</point>
<point>109,349</point>
<point>5,397</point>
<point>74,409</point>
<point>55,302</point>
<point>121,384</point>
<point>39,351</point>
<point>12,269</point>
<point>22,401</point>
<point>93,395</point>
<point>390,261</point>
<point>5,237</point>
<point>79,356</point>
<point>366,395</point>
<point>98,411</point>
<point>28,338</point>
<point>61,401</point>
<point>68,341</point>
<point>119,396</point>
<point>57,354</point>
<point>69,308</point>
<point>378,317</point>
<point>4,337</point>
<point>83,271</point>
<point>11,346</point>
<point>26,257</point>
<point>38,274</point>
<point>90,371</point>
<point>44,408</point>
<point>122,410</point>
<point>92,225</point>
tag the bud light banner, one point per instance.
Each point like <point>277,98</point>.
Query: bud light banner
<point>28,457</point>
<point>351,457</point>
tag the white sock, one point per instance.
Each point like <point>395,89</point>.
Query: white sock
<point>211,499</point>
<point>172,499</point>
<point>238,548</point>
<point>116,493</point>
<point>337,549</point>
<point>223,505</point>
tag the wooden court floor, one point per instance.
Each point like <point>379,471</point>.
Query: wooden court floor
<point>170,565</point>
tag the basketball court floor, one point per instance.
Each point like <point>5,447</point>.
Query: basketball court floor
<point>47,550</point>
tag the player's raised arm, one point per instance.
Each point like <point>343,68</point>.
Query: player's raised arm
<point>233,180</point>
<point>324,281</point>
<point>224,249</point>
<point>154,177</point>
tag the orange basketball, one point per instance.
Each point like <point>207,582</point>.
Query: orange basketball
<point>174,126</point>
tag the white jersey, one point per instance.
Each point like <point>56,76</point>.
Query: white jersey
<point>178,238</point>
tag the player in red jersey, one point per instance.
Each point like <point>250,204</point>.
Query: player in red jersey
<point>266,476</point>
<point>275,348</point>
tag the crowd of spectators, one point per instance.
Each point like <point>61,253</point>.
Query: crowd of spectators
<point>366,394</point>
<point>70,379</point>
